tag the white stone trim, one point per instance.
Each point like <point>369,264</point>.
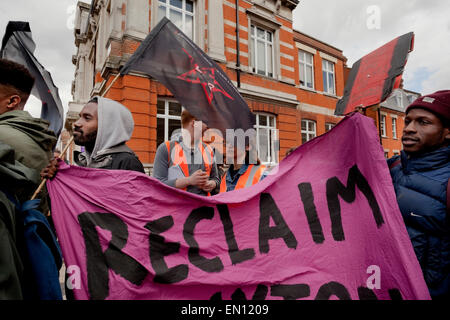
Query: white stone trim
<point>230,4</point>
<point>286,29</point>
<point>303,47</point>
<point>231,37</point>
<point>263,18</point>
<point>328,57</point>
<point>287,45</point>
<point>267,93</point>
<point>287,68</point>
<point>216,42</point>
<point>233,24</point>
<point>137,18</point>
<point>241,53</point>
<point>316,109</point>
<point>287,56</point>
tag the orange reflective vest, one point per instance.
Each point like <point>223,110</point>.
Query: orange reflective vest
<point>250,177</point>
<point>179,158</point>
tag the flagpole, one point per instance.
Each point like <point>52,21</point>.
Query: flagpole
<point>70,142</point>
<point>111,84</point>
<point>63,153</point>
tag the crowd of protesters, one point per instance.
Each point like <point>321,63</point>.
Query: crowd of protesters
<point>420,174</point>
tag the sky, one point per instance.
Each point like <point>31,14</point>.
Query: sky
<point>51,23</point>
<point>357,27</point>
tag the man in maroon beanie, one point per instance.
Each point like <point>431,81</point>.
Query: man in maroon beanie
<point>420,176</point>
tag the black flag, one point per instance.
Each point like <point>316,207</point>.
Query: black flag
<point>198,83</point>
<point>18,46</point>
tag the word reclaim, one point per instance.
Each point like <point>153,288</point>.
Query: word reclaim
<point>99,262</point>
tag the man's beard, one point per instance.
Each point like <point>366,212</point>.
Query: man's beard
<point>88,140</point>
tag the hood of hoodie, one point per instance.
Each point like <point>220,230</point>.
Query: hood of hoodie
<point>35,128</point>
<point>115,126</point>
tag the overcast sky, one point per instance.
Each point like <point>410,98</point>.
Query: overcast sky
<point>355,26</point>
<point>350,25</point>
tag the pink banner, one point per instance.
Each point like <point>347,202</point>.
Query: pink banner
<point>324,225</point>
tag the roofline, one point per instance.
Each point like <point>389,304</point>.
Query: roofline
<point>413,92</point>
<point>324,43</point>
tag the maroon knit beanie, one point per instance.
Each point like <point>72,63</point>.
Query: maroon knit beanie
<point>437,103</point>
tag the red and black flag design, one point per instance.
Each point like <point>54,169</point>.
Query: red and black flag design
<point>195,80</point>
<point>374,76</point>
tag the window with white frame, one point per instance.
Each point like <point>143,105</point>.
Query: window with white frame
<point>266,138</point>
<point>383,125</point>
<point>394,128</point>
<point>329,126</point>
<point>180,12</point>
<point>386,154</point>
<point>262,51</point>
<point>306,66</point>
<point>308,130</point>
<point>168,119</point>
<point>328,77</point>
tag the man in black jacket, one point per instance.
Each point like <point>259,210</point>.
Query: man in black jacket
<point>103,128</point>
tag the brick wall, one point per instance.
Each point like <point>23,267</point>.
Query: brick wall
<point>281,95</point>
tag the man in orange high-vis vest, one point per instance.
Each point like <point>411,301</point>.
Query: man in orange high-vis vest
<point>243,172</point>
<point>185,162</point>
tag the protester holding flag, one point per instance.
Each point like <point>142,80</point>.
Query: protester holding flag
<point>103,129</point>
<point>104,143</point>
<point>187,162</point>
<point>421,180</point>
<point>30,137</point>
<point>244,171</point>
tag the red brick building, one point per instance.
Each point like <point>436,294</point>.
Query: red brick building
<point>389,119</point>
<point>291,81</point>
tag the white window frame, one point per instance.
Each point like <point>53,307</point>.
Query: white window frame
<point>329,124</point>
<point>325,68</point>
<point>183,12</point>
<point>272,137</point>
<point>394,127</point>
<point>383,125</point>
<point>166,116</point>
<point>253,46</point>
<point>302,64</point>
<point>309,134</point>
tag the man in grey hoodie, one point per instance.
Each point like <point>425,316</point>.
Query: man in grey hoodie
<point>103,129</point>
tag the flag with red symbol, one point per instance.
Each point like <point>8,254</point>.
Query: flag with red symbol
<point>195,80</point>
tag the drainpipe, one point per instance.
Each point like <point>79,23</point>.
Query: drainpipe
<point>238,63</point>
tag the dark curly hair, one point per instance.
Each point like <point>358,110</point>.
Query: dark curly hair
<point>17,77</point>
